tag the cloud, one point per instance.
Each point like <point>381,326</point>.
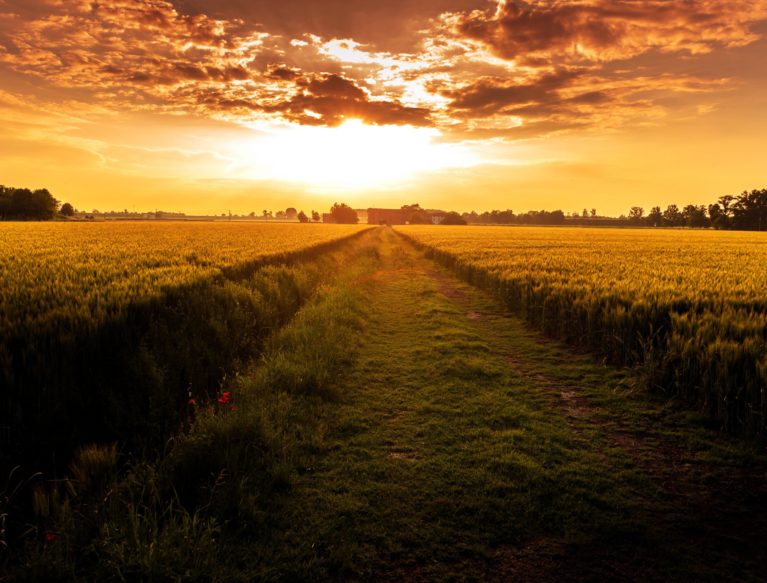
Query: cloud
<point>391,25</point>
<point>146,55</point>
<point>495,94</point>
<point>603,30</point>
<point>330,100</point>
<point>516,67</point>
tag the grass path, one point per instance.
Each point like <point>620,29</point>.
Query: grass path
<point>465,447</point>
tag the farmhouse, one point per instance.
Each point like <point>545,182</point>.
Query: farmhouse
<point>400,216</point>
<point>387,216</point>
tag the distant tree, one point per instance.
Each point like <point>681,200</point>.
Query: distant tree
<point>471,217</point>
<point>302,217</point>
<point>252,214</point>
<point>655,218</point>
<point>453,218</point>
<point>265,213</point>
<point>497,217</point>
<point>5,201</point>
<point>26,204</point>
<point>750,211</point>
<point>67,210</point>
<point>585,213</point>
<point>593,213</point>
<point>541,218</point>
<point>553,218</point>
<point>695,216</point>
<point>344,214</point>
<point>718,219</point>
<point>415,215</point>
<point>291,214</point>
<point>672,216</point>
<point>316,217</point>
<point>726,203</point>
<point>635,214</point>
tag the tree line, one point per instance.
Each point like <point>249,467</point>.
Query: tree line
<point>744,212</point>
<point>508,217</point>
<point>28,205</point>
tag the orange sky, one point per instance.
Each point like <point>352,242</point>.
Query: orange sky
<point>205,106</point>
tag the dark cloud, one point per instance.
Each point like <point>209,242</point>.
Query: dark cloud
<point>335,86</point>
<point>597,30</point>
<point>390,25</point>
<point>324,100</point>
<point>478,67</point>
<point>283,72</point>
<point>490,95</point>
<point>330,100</point>
<point>591,98</point>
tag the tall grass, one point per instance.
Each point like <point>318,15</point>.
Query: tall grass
<point>689,308</point>
<point>185,512</point>
<point>116,355</point>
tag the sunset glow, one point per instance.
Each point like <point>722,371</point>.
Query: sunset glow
<point>464,104</point>
<point>351,156</point>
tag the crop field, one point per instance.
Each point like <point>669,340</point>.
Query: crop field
<point>689,307</point>
<point>92,271</point>
<point>103,325</point>
<point>254,402</point>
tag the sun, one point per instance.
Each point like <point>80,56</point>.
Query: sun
<point>353,155</point>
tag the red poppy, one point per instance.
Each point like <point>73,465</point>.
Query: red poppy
<point>233,408</point>
<point>192,402</point>
<point>224,398</point>
<point>51,537</point>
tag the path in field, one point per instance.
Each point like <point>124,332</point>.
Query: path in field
<point>466,447</point>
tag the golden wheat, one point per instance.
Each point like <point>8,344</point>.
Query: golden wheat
<point>690,306</point>
<point>92,270</point>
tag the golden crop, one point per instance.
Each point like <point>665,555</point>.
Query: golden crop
<point>690,306</point>
<point>89,271</point>
<point>106,329</point>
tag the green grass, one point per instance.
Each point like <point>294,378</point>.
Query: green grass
<point>403,426</point>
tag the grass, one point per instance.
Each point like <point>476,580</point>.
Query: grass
<point>403,426</point>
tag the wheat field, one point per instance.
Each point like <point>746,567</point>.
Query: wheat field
<point>689,307</point>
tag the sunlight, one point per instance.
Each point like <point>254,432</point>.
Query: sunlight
<point>353,155</point>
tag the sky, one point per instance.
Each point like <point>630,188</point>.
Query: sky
<point>204,106</point>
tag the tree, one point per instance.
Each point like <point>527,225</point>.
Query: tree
<point>672,217</point>
<point>750,211</point>
<point>453,218</point>
<point>593,213</point>
<point>635,214</point>
<point>315,217</point>
<point>25,204</point>
<point>655,218</point>
<point>67,210</point>
<point>695,216</point>
<point>415,215</point>
<point>726,203</point>
<point>291,214</point>
<point>717,218</point>
<point>302,217</point>
<point>5,201</point>
<point>344,214</point>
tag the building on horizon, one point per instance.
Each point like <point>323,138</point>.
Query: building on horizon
<point>377,216</point>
